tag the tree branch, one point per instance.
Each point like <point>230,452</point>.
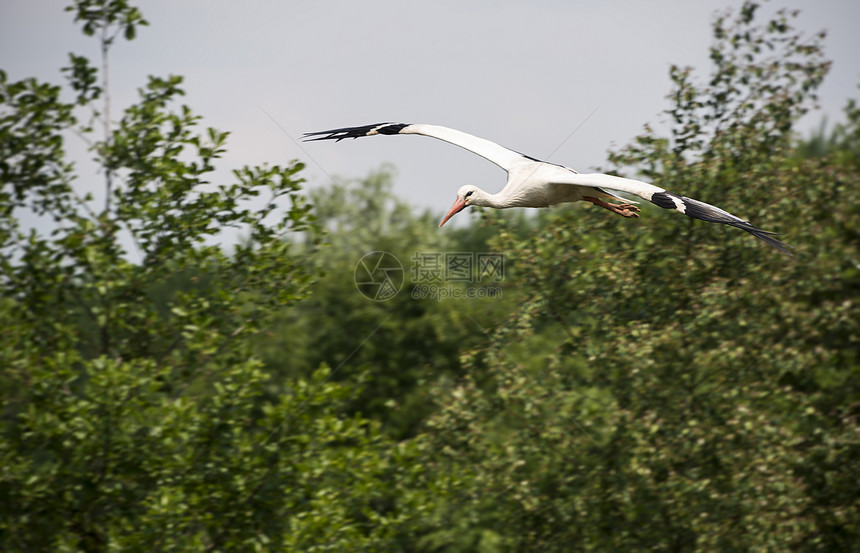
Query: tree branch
<point>105,91</point>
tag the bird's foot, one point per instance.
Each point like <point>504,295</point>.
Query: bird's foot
<point>625,209</point>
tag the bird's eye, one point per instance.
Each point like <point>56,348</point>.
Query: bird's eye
<point>469,193</point>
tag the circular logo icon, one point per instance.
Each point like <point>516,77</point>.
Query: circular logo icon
<point>378,276</point>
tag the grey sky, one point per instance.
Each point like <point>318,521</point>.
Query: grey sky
<point>524,74</point>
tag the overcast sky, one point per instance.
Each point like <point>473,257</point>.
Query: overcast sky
<point>524,74</point>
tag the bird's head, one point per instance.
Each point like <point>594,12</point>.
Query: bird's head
<point>466,196</point>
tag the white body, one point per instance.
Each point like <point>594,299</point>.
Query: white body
<point>533,183</point>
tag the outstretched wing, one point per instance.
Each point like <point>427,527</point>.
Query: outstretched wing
<point>501,156</point>
<point>668,200</point>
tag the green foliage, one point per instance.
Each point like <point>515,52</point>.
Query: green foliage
<point>109,16</point>
<point>400,348</point>
<point>843,141</point>
<point>135,414</point>
<point>31,149</point>
<point>677,388</point>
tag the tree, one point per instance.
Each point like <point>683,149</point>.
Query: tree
<point>685,390</point>
<point>135,414</point>
<point>408,343</point>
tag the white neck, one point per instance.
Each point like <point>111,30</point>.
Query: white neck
<point>497,201</point>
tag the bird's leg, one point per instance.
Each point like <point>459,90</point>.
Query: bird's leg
<point>625,210</point>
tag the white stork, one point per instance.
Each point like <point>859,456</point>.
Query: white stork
<point>535,183</point>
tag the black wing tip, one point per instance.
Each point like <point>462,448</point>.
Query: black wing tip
<point>354,132</point>
<point>712,214</point>
<point>767,237</point>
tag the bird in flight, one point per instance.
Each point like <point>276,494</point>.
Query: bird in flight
<point>536,183</point>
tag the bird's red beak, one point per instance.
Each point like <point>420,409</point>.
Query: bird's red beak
<point>458,206</point>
